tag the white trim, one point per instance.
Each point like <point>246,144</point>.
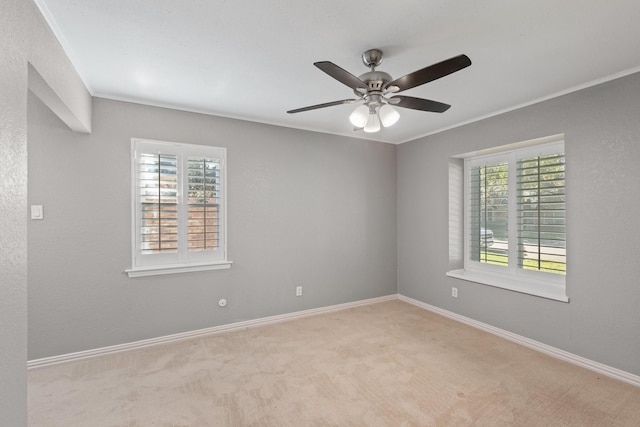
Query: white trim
<point>369,137</point>
<point>155,270</point>
<point>548,141</point>
<point>552,95</point>
<point>64,44</point>
<point>582,362</point>
<point>520,284</point>
<point>574,359</point>
<point>136,345</point>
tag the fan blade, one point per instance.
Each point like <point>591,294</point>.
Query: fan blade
<point>432,72</point>
<point>419,104</point>
<point>341,75</point>
<point>326,104</point>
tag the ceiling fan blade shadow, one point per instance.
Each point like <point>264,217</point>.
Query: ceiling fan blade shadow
<point>340,74</point>
<point>420,104</point>
<point>326,104</point>
<point>431,73</point>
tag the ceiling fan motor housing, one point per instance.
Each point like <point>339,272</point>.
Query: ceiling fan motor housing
<point>375,81</point>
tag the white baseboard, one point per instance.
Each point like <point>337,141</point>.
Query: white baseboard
<point>103,351</point>
<point>600,368</point>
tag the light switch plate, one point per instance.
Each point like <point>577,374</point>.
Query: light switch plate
<point>37,212</point>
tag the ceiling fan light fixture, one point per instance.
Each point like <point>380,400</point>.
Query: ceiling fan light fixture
<point>374,87</point>
<point>389,116</point>
<point>373,124</point>
<point>360,116</point>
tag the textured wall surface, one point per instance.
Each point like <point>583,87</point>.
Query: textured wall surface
<point>24,38</point>
<point>602,131</point>
<point>303,209</point>
<point>13,222</point>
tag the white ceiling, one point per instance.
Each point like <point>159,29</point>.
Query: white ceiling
<point>253,59</point>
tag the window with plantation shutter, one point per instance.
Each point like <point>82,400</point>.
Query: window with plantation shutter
<point>515,218</point>
<point>178,193</point>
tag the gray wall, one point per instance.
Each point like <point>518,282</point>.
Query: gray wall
<point>24,39</point>
<point>13,223</point>
<point>602,320</point>
<point>304,209</point>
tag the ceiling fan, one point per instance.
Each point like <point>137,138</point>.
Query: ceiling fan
<point>374,88</point>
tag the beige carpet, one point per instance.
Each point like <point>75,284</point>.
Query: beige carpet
<point>386,364</point>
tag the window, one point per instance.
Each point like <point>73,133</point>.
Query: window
<point>514,218</point>
<point>179,209</point>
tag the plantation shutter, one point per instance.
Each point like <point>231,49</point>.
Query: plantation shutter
<point>203,204</point>
<point>488,203</point>
<point>541,213</point>
<point>158,197</point>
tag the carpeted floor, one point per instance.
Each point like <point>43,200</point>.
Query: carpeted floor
<point>386,364</point>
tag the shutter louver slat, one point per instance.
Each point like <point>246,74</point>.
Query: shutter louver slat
<point>489,213</point>
<point>541,213</point>
<point>203,204</point>
<point>157,180</point>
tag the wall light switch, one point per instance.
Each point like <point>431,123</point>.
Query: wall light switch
<point>37,212</point>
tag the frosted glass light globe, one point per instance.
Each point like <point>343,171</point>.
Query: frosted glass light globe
<point>373,124</point>
<point>388,115</point>
<point>359,116</point>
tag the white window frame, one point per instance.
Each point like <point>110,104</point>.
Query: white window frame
<point>511,277</point>
<point>182,260</point>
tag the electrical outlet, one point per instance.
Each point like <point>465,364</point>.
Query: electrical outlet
<point>454,292</point>
<point>299,291</point>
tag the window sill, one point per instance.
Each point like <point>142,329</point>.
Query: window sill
<point>154,270</point>
<point>541,289</point>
